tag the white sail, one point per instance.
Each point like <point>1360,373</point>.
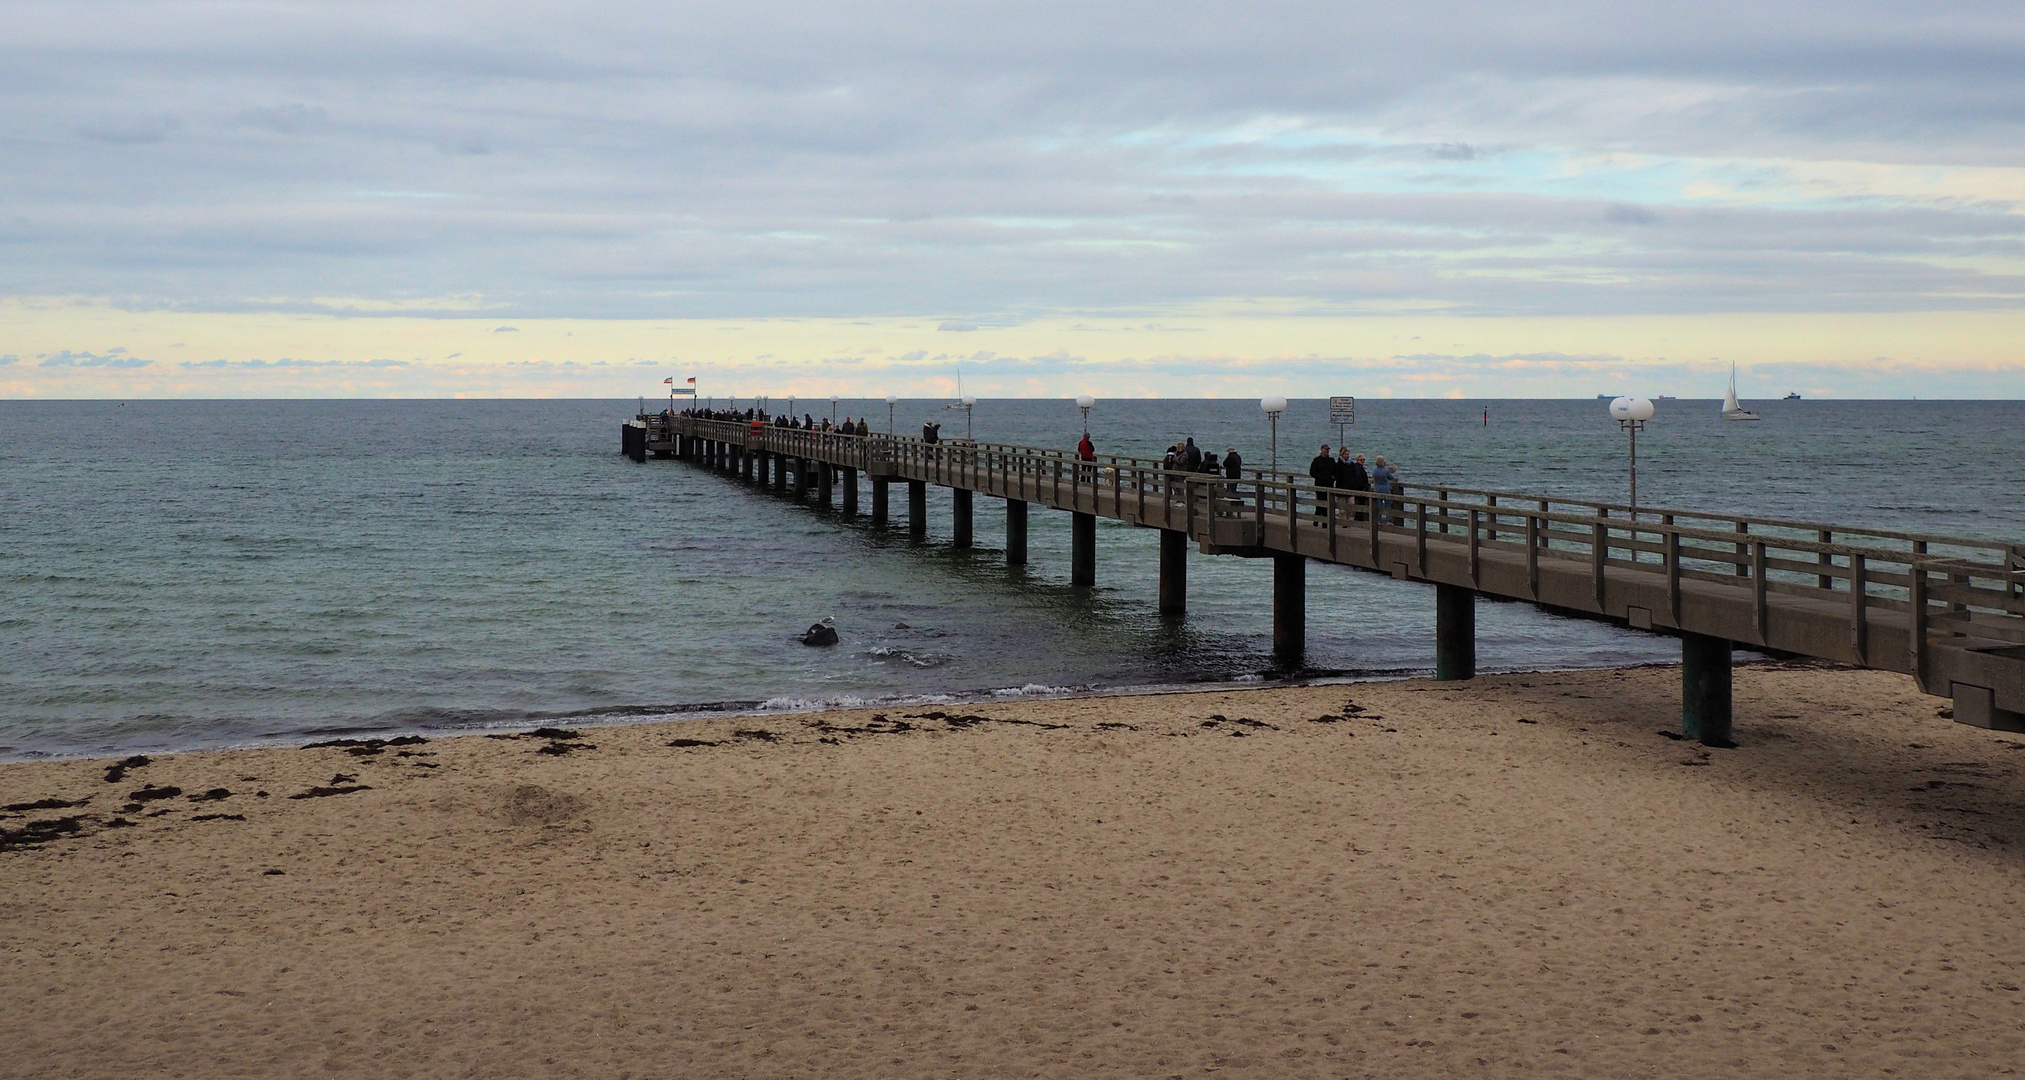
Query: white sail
<point>1732,408</point>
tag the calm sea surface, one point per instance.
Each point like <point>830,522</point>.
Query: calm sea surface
<point>185,574</point>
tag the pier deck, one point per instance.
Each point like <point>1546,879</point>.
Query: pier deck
<point>1947,610</point>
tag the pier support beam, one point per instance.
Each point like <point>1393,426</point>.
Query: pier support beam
<point>804,478</point>
<point>745,465</point>
<point>1705,689</point>
<point>823,484</point>
<point>1455,632</point>
<point>959,501</point>
<point>1290,608</point>
<point>878,502</point>
<point>917,507</point>
<point>1015,532</point>
<point>1173,572</point>
<point>849,478</point>
<point>1083,549</point>
<point>780,468</point>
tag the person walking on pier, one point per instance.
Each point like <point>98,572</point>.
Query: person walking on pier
<point>1351,476</point>
<point>1191,456</point>
<point>1322,470</point>
<point>1383,479</point>
<point>1232,463</point>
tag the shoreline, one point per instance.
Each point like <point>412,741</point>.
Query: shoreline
<point>1508,876</point>
<point>627,716</point>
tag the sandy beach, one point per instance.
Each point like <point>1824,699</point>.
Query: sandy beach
<point>1514,876</point>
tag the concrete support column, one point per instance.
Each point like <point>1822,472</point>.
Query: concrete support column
<point>959,499</point>
<point>1290,607</point>
<point>804,478</point>
<point>780,471</point>
<point>878,502</point>
<point>849,478</point>
<point>1173,572</point>
<point>1083,549</point>
<point>823,484</point>
<point>1705,689</point>
<point>1015,532</point>
<point>1455,632</point>
<point>745,464</point>
<point>917,507</point>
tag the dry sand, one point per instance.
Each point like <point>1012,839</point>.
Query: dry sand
<point>1512,877</point>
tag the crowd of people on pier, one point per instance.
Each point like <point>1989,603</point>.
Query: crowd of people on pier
<point>805,422</point>
<point>1339,471</point>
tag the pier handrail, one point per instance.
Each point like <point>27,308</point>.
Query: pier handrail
<point>1505,503</point>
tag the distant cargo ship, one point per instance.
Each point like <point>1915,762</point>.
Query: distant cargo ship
<point>1794,396</point>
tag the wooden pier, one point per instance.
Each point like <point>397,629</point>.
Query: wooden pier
<point>1946,610</point>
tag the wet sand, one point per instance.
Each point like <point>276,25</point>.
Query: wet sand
<point>1516,876</point>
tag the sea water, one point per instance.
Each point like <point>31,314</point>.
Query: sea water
<point>184,574</point>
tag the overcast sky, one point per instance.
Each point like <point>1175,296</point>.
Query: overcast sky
<point>1477,198</point>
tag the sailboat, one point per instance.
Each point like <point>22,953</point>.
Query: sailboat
<point>1732,408</point>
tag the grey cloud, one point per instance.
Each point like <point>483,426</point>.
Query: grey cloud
<point>959,327</point>
<point>255,365</point>
<point>729,160</point>
<point>10,358</point>
<point>127,130</point>
<point>113,358</point>
<point>506,329</point>
<point>286,119</point>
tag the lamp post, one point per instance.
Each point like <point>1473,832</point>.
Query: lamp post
<point>791,408</point>
<point>890,399</point>
<point>968,403</point>
<point>833,410</point>
<point>1631,413</point>
<point>1085,403</point>
<point>1273,406</point>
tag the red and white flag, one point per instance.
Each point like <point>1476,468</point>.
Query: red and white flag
<point>670,380</point>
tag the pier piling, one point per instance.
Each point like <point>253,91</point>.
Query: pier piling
<point>959,501</point>
<point>849,478</point>
<point>823,485</point>
<point>1290,607</point>
<point>1083,549</point>
<point>1173,572</point>
<point>1455,632</point>
<point>1015,532</point>
<point>878,502</point>
<point>1705,688</point>
<point>917,507</point>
